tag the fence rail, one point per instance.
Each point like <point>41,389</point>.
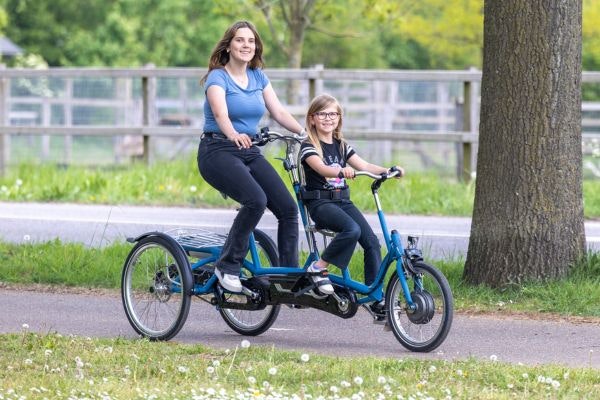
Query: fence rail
<point>379,105</point>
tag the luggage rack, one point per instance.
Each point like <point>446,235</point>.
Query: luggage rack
<point>197,238</point>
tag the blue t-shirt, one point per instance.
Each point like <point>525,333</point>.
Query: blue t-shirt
<point>245,106</point>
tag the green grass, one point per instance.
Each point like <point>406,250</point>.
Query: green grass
<point>34,366</point>
<point>75,265</point>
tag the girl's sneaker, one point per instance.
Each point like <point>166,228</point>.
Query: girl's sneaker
<point>323,283</point>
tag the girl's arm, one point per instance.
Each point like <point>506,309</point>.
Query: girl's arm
<point>361,165</point>
<point>326,171</point>
<point>278,112</point>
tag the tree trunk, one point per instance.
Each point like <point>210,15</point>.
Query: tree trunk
<point>528,212</point>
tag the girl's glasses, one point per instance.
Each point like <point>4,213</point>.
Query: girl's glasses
<point>324,115</point>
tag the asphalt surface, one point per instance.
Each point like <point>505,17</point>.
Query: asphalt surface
<point>514,339</point>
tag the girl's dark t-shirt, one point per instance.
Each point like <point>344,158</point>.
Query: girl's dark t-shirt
<point>335,154</point>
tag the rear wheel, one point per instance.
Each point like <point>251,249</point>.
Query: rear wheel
<point>155,288</point>
<point>254,322</point>
<point>425,326</point>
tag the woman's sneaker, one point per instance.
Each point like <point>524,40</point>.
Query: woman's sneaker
<point>324,284</point>
<point>229,281</point>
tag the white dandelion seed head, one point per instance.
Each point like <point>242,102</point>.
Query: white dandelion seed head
<point>25,326</point>
<point>251,380</point>
<point>494,357</point>
<point>272,371</point>
<point>334,389</point>
<point>210,370</point>
<point>47,352</point>
<point>358,380</point>
<point>28,361</point>
<point>345,384</point>
<point>432,369</point>
<point>193,189</point>
<point>304,357</point>
<point>525,375</point>
<point>18,182</point>
<point>459,372</point>
<point>381,380</point>
<point>183,369</point>
<point>245,344</point>
<point>555,384</point>
<point>216,363</point>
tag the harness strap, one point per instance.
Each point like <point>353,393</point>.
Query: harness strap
<point>333,194</point>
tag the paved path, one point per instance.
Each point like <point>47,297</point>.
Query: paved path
<point>515,340</point>
<point>95,225</point>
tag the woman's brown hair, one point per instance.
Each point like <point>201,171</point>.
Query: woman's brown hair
<point>220,56</point>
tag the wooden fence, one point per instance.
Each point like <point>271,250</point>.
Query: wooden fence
<point>379,105</point>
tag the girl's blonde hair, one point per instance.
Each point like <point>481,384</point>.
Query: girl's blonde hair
<point>319,103</point>
<point>220,56</point>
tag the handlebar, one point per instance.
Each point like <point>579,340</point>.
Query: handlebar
<point>392,174</point>
<point>265,136</point>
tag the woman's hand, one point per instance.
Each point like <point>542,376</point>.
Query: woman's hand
<point>241,140</point>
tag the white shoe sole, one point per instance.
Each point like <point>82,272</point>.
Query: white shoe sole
<point>231,287</point>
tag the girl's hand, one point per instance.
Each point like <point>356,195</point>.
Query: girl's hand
<point>399,169</point>
<point>347,172</point>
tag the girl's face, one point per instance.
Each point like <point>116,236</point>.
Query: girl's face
<point>243,45</point>
<point>326,120</point>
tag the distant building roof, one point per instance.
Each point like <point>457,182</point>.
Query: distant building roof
<point>8,48</point>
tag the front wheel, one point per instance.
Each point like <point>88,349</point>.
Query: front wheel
<point>424,326</point>
<point>156,288</point>
<point>255,322</point>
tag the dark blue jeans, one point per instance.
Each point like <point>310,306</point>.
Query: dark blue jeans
<point>343,217</point>
<point>248,178</point>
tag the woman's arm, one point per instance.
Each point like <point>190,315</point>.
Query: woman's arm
<point>216,99</point>
<point>278,112</point>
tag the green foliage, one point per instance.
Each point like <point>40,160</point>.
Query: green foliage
<point>38,366</point>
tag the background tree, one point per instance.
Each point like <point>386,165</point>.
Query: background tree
<point>528,213</point>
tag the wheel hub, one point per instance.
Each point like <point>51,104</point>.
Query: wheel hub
<point>161,288</point>
<point>424,307</point>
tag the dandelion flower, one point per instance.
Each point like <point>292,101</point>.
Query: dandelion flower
<point>525,375</point>
<point>432,369</point>
<point>251,380</point>
<point>381,380</point>
<point>182,369</point>
<point>459,372</point>
<point>494,357</point>
<point>245,344</point>
<point>345,384</point>
<point>193,189</point>
<point>358,380</point>
<point>210,370</point>
<point>334,389</point>
<point>26,238</point>
<point>304,357</point>
<point>555,384</point>
<point>25,326</point>
<point>272,371</point>
<point>216,363</point>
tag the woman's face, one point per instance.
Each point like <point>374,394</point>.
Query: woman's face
<point>326,120</point>
<point>243,45</point>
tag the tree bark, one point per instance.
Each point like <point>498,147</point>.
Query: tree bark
<point>528,213</point>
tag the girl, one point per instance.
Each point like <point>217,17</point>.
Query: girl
<point>328,160</point>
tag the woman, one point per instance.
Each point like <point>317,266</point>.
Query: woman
<point>237,95</point>
<point>328,160</point>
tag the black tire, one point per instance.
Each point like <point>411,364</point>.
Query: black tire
<point>253,323</point>
<point>156,288</point>
<point>427,327</point>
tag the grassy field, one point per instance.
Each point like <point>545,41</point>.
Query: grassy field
<point>51,366</point>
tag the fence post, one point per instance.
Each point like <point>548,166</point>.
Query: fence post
<point>313,82</point>
<point>4,144</point>
<point>467,147</point>
<point>148,97</point>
